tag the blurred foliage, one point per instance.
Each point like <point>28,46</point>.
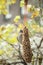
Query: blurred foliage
<point>4,4</point>
<point>33,27</point>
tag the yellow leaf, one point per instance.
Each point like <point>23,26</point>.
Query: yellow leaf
<point>0,7</point>
<point>5,12</point>
<point>35,14</point>
<point>38,29</point>
<point>18,29</point>
<point>29,7</point>
<point>3,28</point>
<point>20,26</point>
<point>13,39</point>
<point>42,29</point>
<point>1,52</point>
<point>0,35</point>
<point>22,3</point>
<point>34,27</point>
<point>13,1</point>
<point>16,19</point>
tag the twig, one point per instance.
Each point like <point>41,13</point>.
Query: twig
<point>38,46</point>
<point>40,43</point>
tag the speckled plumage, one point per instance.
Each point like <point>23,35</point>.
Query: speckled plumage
<point>27,52</point>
